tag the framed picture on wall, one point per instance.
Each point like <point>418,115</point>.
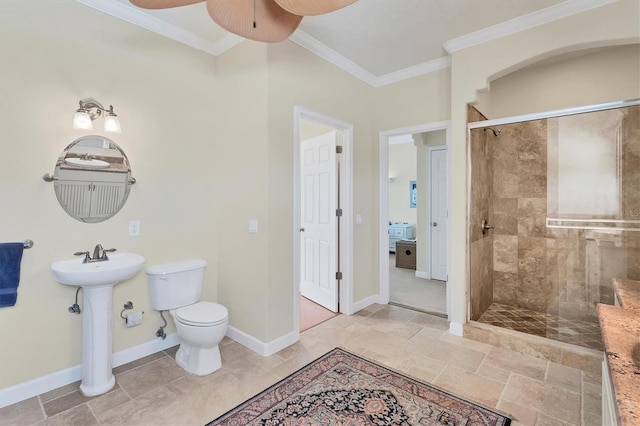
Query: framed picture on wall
<point>413,194</point>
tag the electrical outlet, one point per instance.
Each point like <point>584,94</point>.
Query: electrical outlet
<point>134,228</point>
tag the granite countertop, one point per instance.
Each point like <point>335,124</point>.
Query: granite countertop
<point>621,336</point>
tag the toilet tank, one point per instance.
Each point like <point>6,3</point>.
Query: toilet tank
<point>176,284</point>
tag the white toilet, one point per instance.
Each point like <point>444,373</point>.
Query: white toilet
<point>177,287</point>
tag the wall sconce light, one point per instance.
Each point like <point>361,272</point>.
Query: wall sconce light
<point>91,109</point>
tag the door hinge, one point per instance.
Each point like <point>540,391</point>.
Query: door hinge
<point>339,212</point>
<point>338,275</point>
<point>338,149</point>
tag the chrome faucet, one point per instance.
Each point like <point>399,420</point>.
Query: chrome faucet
<point>97,257</point>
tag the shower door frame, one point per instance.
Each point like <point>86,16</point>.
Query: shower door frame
<point>519,119</point>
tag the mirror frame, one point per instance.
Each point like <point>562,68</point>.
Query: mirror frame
<point>92,179</point>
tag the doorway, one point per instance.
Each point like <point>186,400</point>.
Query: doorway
<point>413,232</point>
<point>322,217</point>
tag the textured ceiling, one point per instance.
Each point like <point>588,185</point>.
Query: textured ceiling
<point>372,39</point>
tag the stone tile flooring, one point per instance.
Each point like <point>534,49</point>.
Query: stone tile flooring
<point>155,391</point>
<point>574,331</point>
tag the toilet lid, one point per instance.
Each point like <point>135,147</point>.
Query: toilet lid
<point>202,314</point>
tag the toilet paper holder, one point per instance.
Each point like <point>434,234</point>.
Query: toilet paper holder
<point>127,306</point>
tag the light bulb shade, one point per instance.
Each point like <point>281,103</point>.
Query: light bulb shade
<point>312,7</point>
<point>111,123</point>
<point>259,20</point>
<point>82,121</point>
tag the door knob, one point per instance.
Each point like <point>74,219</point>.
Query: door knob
<point>435,224</point>
<point>301,229</point>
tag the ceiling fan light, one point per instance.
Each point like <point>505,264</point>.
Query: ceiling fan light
<point>259,20</point>
<point>162,4</point>
<point>312,7</point>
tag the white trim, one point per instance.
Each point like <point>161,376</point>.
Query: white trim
<point>346,202</point>
<point>424,275</point>
<point>46,383</point>
<point>325,52</point>
<point>138,17</point>
<point>414,71</point>
<point>383,203</point>
<point>522,23</point>
<point>260,347</point>
<point>456,329</point>
<point>366,302</point>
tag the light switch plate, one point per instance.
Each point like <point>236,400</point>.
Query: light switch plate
<point>253,226</point>
<point>134,228</point>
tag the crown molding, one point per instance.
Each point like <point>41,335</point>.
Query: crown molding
<point>522,23</point>
<point>158,26</point>
<point>322,50</point>
<point>314,46</point>
<point>513,26</point>
<point>414,71</point>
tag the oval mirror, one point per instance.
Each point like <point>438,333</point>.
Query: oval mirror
<point>92,179</point>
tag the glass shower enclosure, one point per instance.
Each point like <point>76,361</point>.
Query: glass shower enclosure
<point>554,216</point>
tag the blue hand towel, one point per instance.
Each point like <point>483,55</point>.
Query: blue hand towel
<point>10,258</point>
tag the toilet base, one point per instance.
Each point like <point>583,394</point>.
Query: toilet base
<point>198,361</point>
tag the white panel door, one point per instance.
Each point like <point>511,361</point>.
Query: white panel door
<point>438,175</point>
<point>318,219</point>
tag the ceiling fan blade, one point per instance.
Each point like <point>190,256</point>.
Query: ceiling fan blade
<point>162,4</point>
<point>259,20</point>
<point>312,7</point>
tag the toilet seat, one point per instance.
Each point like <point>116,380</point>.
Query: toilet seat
<point>202,314</point>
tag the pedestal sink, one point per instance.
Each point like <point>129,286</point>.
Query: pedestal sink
<point>97,280</point>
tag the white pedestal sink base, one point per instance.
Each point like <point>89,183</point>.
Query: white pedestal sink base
<point>97,279</point>
<point>97,340</point>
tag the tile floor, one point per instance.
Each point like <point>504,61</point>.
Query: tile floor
<point>574,331</point>
<point>155,391</point>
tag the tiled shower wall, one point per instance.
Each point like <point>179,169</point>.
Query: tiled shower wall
<point>523,263</point>
<point>481,244</point>
<point>519,209</point>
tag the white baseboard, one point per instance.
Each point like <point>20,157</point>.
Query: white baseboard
<point>260,347</point>
<point>423,275</point>
<point>456,329</point>
<point>367,301</point>
<point>52,381</point>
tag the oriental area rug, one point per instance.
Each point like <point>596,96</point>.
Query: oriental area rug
<point>341,388</point>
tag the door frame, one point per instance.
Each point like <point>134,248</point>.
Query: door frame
<point>430,150</point>
<point>345,166</point>
<point>383,197</point>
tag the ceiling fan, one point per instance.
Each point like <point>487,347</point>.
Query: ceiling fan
<point>260,20</point>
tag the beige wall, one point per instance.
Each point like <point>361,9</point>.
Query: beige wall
<point>472,70</point>
<point>298,77</point>
<point>608,72</point>
<point>170,134</point>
